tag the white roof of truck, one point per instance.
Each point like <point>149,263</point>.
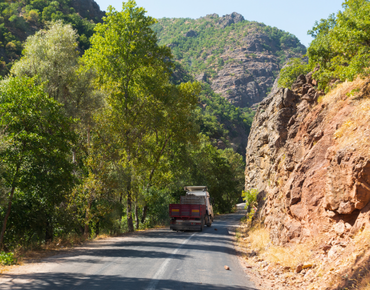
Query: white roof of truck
<point>196,190</point>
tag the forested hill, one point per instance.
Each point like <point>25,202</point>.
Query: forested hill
<point>234,58</point>
<point>240,59</point>
<point>21,18</point>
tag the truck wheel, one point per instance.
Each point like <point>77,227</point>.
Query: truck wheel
<point>209,221</point>
<point>202,225</point>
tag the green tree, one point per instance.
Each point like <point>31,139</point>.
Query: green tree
<point>51,55</point>
<point>39,138</point>
<point>341,44</point>
<point>144,110</point>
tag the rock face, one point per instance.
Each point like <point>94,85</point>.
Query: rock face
<point>247,80</point>
<point>230,19</point>
<point>241,58</point>
<point>310,168</point>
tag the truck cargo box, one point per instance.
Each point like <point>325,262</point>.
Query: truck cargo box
<point>193,199</point>
<point>187,216</point>
<point>187,210</point>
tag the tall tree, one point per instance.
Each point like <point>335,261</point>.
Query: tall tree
<point>39,138</point>
<point>52,56</point>
<point>134,72</point>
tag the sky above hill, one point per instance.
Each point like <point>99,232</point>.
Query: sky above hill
<point>296,17</point>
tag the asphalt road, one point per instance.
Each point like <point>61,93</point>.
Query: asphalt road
<point>157,259</point>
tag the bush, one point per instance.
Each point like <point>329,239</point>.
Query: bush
<point>250,197</point>
<point>33,16</point>
<point>289,73</point>
<point>7,259</point>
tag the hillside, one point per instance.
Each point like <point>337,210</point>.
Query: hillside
<point>307,177</point>
<point>234,58</point>
<point>19,19</point>
<point>239,59</point>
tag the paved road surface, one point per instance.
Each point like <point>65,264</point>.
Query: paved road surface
<point>157,259</point>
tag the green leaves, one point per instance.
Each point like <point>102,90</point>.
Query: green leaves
<point>342,44</point>
<point>39,141</point>
<point>291,71</point>
<point>7,259</point>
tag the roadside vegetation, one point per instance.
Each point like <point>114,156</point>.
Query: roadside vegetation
<point>340,49</point>
<point>100,143</point>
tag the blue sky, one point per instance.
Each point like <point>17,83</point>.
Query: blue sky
<point>296,17</point>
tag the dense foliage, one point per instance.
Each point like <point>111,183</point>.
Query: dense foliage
<point>21,18</point>
<point>217,118</point>
<point>104,142</point>
<point>202,53</point>
<point>290,72</point>
<point>221,120</point>
<point>38,172</point>
<point>341,45</point>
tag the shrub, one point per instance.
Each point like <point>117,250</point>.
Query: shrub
<point>33,16</point>
<point>289,73</point>
<point>250,196</point>
<point>7,259</point>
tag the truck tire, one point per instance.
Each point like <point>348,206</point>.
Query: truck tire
<point>202,225</point>
<point>209,221</point>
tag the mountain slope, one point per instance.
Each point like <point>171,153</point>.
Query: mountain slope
<point>238,58</point>
<point>19,19</point>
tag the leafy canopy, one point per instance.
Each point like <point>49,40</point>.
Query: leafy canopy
<point>341,47</point>
<point>39,142</point>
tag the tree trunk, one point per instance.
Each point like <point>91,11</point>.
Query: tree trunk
<point>6,217</point>
<point>137,217</point>
<point>9,207</point>
<point>129,212</point>
<point>86,229</point>
<point>97,229</point>
<point>143,217</point>
<point>49,231</point>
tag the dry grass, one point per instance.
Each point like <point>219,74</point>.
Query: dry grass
<point>290,256</point>
<point>259,239</point>
<point>355,130</point>
<point>37,252</point>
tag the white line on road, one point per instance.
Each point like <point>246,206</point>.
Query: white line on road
<point>162,269</point>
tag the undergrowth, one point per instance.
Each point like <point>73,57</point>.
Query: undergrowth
<point>258,240</point>
<point>7,259</point>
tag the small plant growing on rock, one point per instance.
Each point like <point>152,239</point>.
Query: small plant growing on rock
<point>250,197</point>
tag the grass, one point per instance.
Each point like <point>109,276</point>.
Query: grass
<point>354,129</point>
<point>258,240</point>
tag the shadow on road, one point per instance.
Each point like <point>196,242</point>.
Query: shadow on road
<point>147,246</point>
<point>81,282</point>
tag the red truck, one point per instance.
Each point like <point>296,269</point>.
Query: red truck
<point>194,211</point>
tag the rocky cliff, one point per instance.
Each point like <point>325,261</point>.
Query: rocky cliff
<point>308,156</point>
<point>238,58</point>
<point>302,156</point>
